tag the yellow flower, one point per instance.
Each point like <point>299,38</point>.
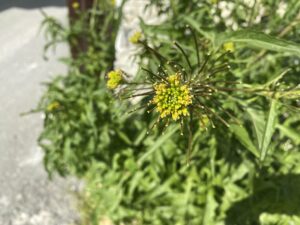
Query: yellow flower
<point>75,5</point>
<point>172,98</point>
<point>136,37</point>
<point>114,79</point>
<point>52,106</point>
<point>229,46</point>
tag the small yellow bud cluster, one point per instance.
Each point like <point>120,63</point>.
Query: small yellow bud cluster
<point>136,37</point>
<point>229,46</point>
<point>114,79</point>
<point>53,106</point>
<point>75,5</point>
<point>172,98</point>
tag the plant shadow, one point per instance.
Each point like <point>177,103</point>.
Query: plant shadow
<point>271,194</point>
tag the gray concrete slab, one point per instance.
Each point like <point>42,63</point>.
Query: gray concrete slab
<point>27,197</point>
<point>30,4</point>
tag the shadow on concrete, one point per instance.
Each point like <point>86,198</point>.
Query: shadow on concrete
<point>30,4</point>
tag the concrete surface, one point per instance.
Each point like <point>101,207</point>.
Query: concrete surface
<point>27,197</point>
<point>30,4</point>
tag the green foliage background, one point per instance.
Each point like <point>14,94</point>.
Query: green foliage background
<point>242,175</point>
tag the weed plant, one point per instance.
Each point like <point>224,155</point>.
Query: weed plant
<point>207,130</point>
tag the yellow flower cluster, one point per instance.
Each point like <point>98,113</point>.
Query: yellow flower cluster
<point>136,37</point>
<point>229,46</point>
<point>75,5</point>
<point>53,106</point>
<point>114,79</point>
<point>172,98</point>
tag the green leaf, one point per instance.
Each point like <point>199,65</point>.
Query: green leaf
<point>257,40</point>
<point>171,130</point>
<point>134,182</point>
<point>164,187</point>
<point>263,130</point>
<point>290,133</point>
<point>124,137</point>
<point>258,119</point>
<point>269,130</point>
<point>275,79</point>
<point>195,25</point>
<point>293,94</point>
<point>210,207</point>
<point>242,134</point>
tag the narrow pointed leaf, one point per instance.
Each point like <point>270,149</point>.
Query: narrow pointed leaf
<point>242,135</point>
<point>258,40</point>
<point>268,131</point>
